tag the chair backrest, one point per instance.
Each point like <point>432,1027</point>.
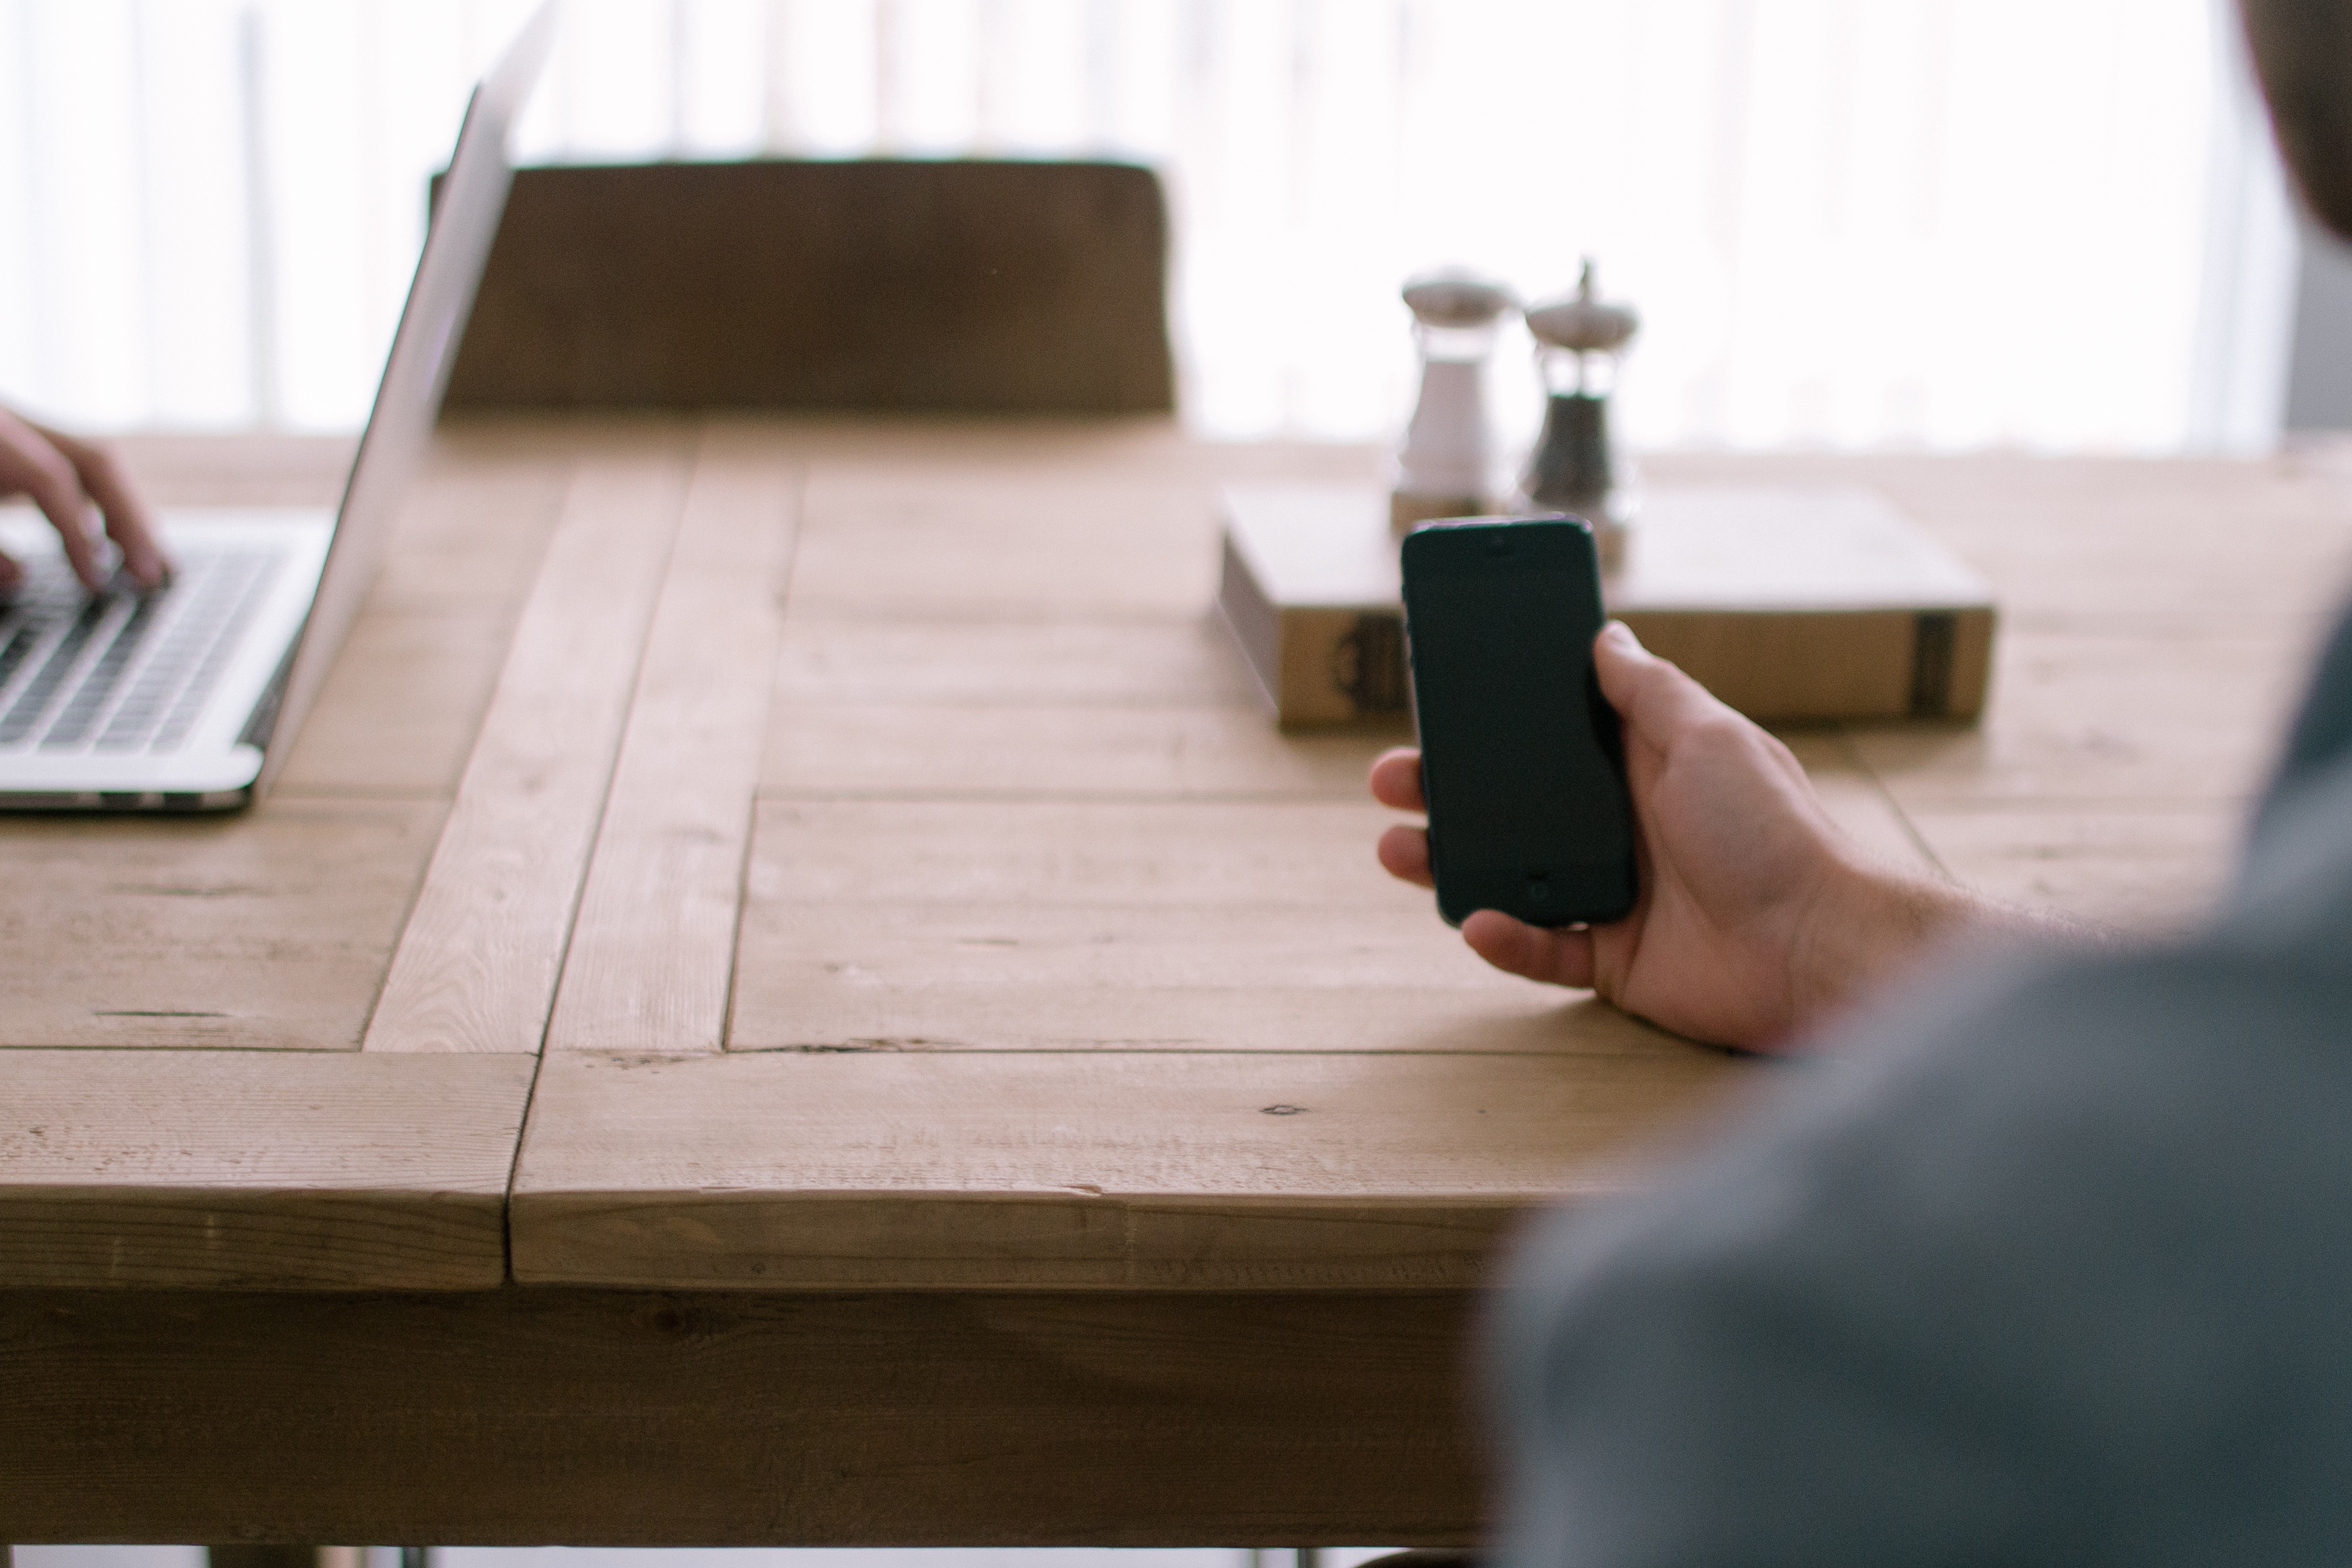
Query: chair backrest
<point>880,285</point>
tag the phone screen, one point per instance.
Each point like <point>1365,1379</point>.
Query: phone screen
<point>1520,757</point>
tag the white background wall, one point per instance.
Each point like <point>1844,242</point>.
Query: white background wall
<point>2054,223</point>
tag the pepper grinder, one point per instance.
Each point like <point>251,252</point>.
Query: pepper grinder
<point>1444,468</point>
<point>1579,343</point>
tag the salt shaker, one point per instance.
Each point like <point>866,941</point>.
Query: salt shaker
<point>1443,468</point>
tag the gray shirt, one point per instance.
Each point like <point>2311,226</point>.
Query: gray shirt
<point>2049,1263</point>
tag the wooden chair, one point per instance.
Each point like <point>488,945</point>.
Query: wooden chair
<point>870,286</point>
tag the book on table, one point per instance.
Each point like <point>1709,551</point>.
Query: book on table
<point>1792,604</point>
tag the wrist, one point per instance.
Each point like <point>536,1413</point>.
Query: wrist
<point>1865,926</point>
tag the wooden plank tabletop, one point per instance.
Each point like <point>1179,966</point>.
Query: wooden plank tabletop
<point>1038,980</point>
<point>786,954</point>
<point>860,850</point>
<point>1058,966</point>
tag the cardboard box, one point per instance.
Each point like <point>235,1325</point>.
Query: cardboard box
<point>1792,604</point>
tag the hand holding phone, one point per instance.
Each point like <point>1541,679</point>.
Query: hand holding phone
<point>1522,766</point>
<point>1758,917</point>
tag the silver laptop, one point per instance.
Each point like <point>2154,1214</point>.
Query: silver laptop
<point>189,698</point>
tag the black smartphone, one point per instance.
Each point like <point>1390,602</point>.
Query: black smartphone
<point>1520,754</point>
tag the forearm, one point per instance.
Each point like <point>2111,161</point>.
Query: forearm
<point>1870,925</point>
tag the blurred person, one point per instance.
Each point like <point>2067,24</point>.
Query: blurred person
<point>75,483</point>
<point>2036,1255</point>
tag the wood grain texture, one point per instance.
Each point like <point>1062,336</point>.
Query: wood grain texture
<point>2097,715</point>
<point>400,707</point>
<point>1041,751</point>
<point>2081,540</point>
<point>1076,750</point>
<point>1026,536</point>
<point>957,1013</point>
<point>1138,661</point>
<point>652,949</point>
<point>1197,1171</point>
<point>273,928</point>
<point>884,284</point>
<point>1023,620</point>
<point>474,527</point>
<point>399,710</point>
<point>987,861</point>
<point>250,1170</point>
<point>522,1417</point>
<point>479,961</point>
<point>1859,803</point>
<point>1066,925</point>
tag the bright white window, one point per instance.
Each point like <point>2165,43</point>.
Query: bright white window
<point>2051,224</point>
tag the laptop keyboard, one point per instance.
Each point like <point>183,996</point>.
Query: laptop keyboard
<point>124,672</point>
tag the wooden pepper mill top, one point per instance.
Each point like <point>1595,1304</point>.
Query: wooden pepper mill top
<point>1582,323</point>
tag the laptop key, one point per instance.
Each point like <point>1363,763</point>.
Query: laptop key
<point>34,700</point>
<point>254,581</point>
<point>12,653</point>
<point>108,674</point>
<point>98,683</point>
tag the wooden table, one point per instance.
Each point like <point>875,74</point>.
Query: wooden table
<point>787,995</point>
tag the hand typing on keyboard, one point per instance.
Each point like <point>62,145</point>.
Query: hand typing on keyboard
<point>72,480</point>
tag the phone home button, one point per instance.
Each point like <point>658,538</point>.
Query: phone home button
<point>1539,890</point>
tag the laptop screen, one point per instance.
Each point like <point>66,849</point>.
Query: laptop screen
<point>416,373</point>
